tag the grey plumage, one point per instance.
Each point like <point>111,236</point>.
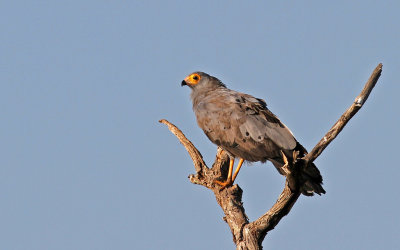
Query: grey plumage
<point>244,127</point>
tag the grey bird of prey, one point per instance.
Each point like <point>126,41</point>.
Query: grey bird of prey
<point>246,129</point>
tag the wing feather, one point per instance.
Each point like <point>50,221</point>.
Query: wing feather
<point>242,125</point>
<point>259,116</point>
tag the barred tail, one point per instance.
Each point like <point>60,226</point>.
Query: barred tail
<point>310,176</point>
<point>312,180</point>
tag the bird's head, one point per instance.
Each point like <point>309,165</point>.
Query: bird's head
<point>200,80</point>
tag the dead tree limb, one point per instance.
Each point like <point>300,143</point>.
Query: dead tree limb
<point>347,115</point>
<point>250,235</point>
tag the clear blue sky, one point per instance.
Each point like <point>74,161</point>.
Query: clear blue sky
<point>85,164</point>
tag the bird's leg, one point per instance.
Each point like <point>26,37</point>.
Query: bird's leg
<point>237,169</point>
<point>228,181</point>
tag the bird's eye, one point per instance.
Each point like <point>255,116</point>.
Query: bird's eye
<point>193,78</point>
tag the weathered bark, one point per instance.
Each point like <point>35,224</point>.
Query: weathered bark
<point>250,235</point>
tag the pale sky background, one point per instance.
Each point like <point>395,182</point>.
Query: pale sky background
<point>85,164</point>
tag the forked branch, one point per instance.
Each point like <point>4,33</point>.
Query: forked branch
<point>249,235</point>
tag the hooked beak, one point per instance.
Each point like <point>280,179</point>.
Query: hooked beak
<point>183,83</point>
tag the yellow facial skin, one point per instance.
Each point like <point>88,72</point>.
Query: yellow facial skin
<point>193,79</point>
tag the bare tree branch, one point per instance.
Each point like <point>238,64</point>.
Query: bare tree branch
<point>230,199</point>
<point>347,115</point>
<point>195,154</point>
<point>248,235</point>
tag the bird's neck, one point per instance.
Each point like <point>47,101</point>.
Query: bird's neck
<point>199,95</point>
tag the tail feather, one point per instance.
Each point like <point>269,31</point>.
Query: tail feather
<point>310,176</point>
<point>312,180</point>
